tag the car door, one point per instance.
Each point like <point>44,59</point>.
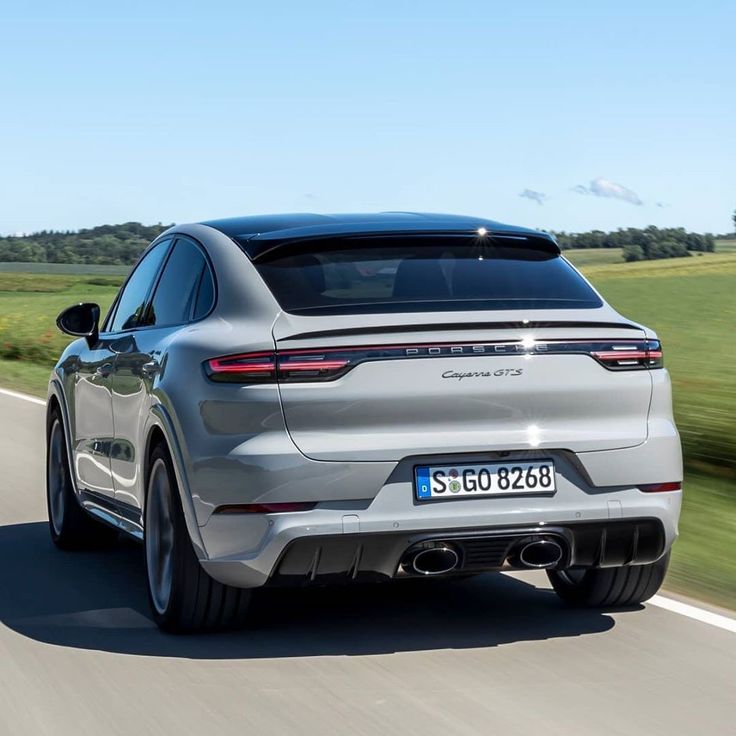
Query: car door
<point>92,417</point>
<point>93,429</point>
<point>183,293</point>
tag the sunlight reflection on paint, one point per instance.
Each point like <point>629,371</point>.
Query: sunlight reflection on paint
<point>533,437</point>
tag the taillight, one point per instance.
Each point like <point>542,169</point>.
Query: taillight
<point>660,487</point>
<point>269,367</point>
<point>248,368</point>
<point>622,357</point>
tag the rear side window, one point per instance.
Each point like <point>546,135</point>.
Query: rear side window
<point>375,275</point>
<point>133,297</point>
<point>205,293</point>
<point>177,290</point>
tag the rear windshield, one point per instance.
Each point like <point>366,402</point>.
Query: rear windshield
<point>413,274</point>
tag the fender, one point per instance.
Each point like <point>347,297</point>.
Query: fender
<point>56,389</point>
<point>160,417</point>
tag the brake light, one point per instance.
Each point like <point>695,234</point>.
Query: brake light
<point>248,368</point>
<point>269,367</point>
<point>660,487</point>
<point>630,357</point>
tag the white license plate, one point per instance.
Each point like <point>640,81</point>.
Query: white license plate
<point>488,479</point>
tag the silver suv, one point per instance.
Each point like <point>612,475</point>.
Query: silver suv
<point>309,399</point>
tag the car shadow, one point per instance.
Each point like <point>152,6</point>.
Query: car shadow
<point>97,600</point>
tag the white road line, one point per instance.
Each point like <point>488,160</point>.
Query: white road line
<point>698,614</point>
<point>685,609</point>
<point>25,397</point>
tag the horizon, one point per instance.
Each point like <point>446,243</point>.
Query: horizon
<point>597,120</point>
<point>721,235</point>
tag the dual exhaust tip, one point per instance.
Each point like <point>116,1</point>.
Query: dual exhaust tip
<point>540,554</point>
<point>440,558</point>
<point>436,560</point>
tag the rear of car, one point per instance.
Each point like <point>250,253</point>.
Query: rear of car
<point>456,401</point>
<point>362,398</point>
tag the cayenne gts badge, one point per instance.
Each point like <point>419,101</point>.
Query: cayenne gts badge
<point>459,375</point>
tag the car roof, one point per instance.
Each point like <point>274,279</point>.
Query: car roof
<point>258,234</point>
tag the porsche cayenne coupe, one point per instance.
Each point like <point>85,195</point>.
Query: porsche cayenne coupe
<point>309,399</point>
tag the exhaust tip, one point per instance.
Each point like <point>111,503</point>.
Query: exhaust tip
<point>435,560</point>
<point>541,554</point>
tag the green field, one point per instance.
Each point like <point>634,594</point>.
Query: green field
<point>29,304</point>
<point>76,269</point>
<point>726,246</point>
<point>582,257</point>
<point>690,302</point>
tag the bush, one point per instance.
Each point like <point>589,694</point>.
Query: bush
<point>633,253</point>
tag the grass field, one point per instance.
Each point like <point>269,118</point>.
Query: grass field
<point>76,269</point>
<point>690,302</point>
<point>726,246</point>
<point>582,257</point>
<point>29,304</point>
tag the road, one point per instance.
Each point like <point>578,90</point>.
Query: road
<point>494,655</point>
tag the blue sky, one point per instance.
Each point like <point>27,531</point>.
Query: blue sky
<point>171,112</point>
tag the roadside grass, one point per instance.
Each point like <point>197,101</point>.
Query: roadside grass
<point>692,306</point>
<point>693,312</point>
<point>690,302</point>
<point>21,375</point>
<point>703,560</point>
<point>29,305</point>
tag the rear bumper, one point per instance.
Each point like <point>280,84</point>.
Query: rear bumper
<point>597,529</point>
<point>359,557</point>
<point>596,495</point>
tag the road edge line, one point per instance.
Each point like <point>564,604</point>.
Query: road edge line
<point>24,397</point>
<point>683,609</point>
<point>693,612</point>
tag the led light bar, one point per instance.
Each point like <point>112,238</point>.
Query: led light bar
<point>328,364</point>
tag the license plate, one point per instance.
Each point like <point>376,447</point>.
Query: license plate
<point>488,479</point>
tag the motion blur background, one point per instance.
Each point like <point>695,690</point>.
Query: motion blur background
<point>616,121</point>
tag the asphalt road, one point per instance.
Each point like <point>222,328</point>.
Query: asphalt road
<point>493,655</point>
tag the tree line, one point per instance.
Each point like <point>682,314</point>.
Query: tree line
<point>122,244</point>
<point>642,244</point>
<point>105,244</point>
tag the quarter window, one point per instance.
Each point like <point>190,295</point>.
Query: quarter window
<point>176,293</point>
<point>132,300</point>
<point>205,294</point>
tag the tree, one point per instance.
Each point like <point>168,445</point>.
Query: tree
<point>633,253</point>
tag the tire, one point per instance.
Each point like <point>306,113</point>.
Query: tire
<point>70,525</point>
<point>182,596</point>
<point>610,587</point>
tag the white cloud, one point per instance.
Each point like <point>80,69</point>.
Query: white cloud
<point>602,187</point>
<point>538,197</point>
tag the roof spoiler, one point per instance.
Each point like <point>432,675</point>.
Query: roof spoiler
<point>259,247</point>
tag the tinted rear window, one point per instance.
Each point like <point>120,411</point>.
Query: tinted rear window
<point>421,274</point>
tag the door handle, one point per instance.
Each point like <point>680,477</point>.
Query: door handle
<point>150,369</point>
<point>104,370</point>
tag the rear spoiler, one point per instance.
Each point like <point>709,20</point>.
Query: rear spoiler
<point>434,327</point>
<point>259,246</point>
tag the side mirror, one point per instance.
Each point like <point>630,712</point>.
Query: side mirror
<point>81,320</point>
